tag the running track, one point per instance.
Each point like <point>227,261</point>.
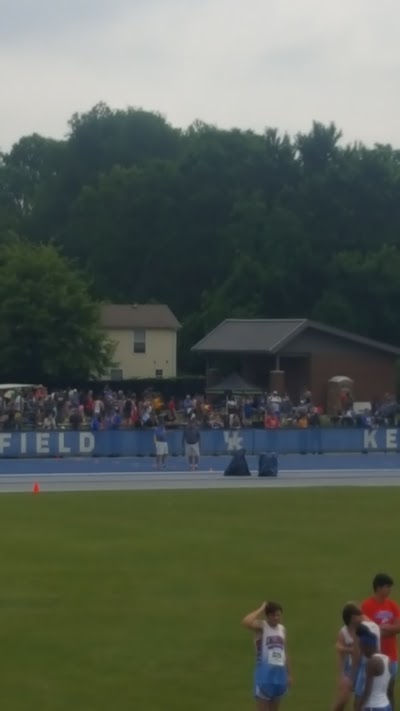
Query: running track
<point>19,475</point>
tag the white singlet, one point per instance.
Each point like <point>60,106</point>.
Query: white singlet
<point>378,698</point>
<point>271,646</point>
<point>347,637</point>
<point>348,640</point>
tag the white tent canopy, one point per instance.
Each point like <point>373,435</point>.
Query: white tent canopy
<point>18,386</point>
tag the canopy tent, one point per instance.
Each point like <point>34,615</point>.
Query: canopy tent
<point>10,389</point>
<point>235,384</point>
<point>18,386</point>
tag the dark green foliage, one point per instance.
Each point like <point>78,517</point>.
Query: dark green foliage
<point>216,223</point>
<point>48,322</point>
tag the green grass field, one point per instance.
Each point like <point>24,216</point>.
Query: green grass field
<point>134,600</point>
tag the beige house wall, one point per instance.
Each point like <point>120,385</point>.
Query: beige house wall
<point>160,353</point>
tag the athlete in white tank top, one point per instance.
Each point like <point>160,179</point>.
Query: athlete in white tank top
<point>347,655</point>
<point>378,698</point>
<point>347,641</point>
<point>270,648</point>
<point>272,676</point>
<point>373,695</point>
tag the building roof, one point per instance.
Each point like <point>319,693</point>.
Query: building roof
<point>138,316</point>
<point>271,335</point>
<point>247,335</point>
<point>234,383</point>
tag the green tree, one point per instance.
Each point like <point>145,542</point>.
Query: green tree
<point>363,293</point>
<point>214,222</point>
<point>49,325</point>
<point>28,168</point>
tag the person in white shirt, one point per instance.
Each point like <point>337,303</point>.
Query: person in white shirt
<point>377,672</point>
<point>274,403</point>
<point>347,654</point>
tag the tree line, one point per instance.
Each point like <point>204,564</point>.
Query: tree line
<point>215,223</point>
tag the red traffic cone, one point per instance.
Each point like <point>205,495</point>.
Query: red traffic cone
<point>36,488</point>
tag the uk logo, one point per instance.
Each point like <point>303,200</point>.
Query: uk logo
<point>233,441</point>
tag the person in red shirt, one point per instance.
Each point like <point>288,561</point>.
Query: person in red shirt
<point>386,613</point>
<point>271,422</point>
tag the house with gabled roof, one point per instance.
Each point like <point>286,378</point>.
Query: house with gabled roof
<point>144,338</point>
<point>292,355</point>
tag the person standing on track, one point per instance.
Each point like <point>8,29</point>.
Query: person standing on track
<point>161,444</point>
<point>386,614</point>
<point>272,674</point>
<point>191,442</point>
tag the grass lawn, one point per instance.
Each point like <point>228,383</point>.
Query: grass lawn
<point>133,600</point>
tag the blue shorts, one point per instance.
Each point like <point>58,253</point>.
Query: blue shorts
<point>267,692</point>
<point>359,682</point>
<point>393,668</point>
<point>372,708</point>
<point>270,683</point>
<point>347,669</point>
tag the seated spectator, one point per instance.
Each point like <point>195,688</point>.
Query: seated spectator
<point>127,412</point>
<point>234,422</point>
<point>135,415</point>
<point>365,419</point>
<point>146,415</point>
<point>188,405</point>
<point>116,420</point>
<point>231,404</point>
<point>49,422</point>
<point>274,403</point>
<point>96,423</point>
<point>348,418</point>
<point>206,412</point>
<point>286,406</point>
<point>271,421</point>
<point>98,407</point>
<point>89,404</point>
<point>302,409</point>
<point>216,422</point>
<point>314,418</point>
<point>157,404</point>
<point>75,419</point>
<point>171,409</point>
<point>302,421</point>
<point>18,420</point>
<point>248,410</point>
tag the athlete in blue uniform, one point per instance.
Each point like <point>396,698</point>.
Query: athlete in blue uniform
<point>272,673</point>
<point>347,654</point>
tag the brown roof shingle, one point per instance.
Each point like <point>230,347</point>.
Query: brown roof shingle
<point>138,316</point>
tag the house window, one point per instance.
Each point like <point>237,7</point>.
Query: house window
<point>139,340</point>
<point>159,373</point>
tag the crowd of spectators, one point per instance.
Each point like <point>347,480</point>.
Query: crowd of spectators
<point>39,408</point>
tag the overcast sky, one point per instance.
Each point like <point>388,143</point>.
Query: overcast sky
<point>245,63</point>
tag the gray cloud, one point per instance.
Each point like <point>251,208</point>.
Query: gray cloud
<point>279,63</point>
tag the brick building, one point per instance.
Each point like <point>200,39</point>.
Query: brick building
<point>290,355</point>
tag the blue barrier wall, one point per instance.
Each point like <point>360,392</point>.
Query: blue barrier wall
<point>140,444</point>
